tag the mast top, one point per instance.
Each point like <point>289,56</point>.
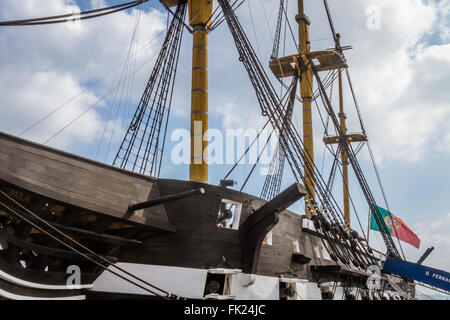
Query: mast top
<point>171,3</point>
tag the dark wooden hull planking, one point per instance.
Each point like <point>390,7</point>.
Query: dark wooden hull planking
<point>89,201</point>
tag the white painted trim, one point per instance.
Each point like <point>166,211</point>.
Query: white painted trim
<point>308,224</point>
<point>325,254</point>
<point>190,283</point>
<point>249,280</point>
<point>293,280</point>
<point>339,293</point>
<point>179,281</point>
<point>215,296</point>
<point>263,287</point>
<point>224,271</point>
<point>308,291</point>
<point>12,296</point>
<point>34,285</point>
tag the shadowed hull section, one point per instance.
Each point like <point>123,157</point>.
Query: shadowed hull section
<point>89,201</point>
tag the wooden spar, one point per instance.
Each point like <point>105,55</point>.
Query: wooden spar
<point>162,200</point>
<point>344,155</point>
<point>259,223</point>
<point>200,12</point>
<point>350,138</point>
<point>425,255</point>
<point>306,91</point>
<point>278,204</point>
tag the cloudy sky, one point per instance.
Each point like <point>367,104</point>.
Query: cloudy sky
<point>400,71</point>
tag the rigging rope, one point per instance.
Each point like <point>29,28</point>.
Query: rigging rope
<point>109,263</point>
<point>93,105</point>
<point>392,250</point>
<point>276,40</point>
<point>142,147</point>
<point>292,143</point>
<point>352,155</point>
<point>246,150</point>
<point>373,162</point>
<point>339,49</point>
<point>251,144</point>
<point>256,162</point>
<point>123,74</point>
<point>330,21</point>
<point>368,144</point>
<point>272,183</point>
<point>128,94</point>
<point>64,18</point>
<point>220,18</point>
<point>89,86</point>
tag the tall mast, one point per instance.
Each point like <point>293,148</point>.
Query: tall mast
<point>344,155</point>
<point>306,92</point>
<point>357,137</point>
<point>200,12</point>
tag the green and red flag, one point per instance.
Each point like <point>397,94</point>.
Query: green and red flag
<point>396,227</point>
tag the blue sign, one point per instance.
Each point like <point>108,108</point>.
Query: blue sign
<point>433,277</point>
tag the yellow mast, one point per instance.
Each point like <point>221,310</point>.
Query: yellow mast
<point>306,92</point>
<point>325,60</point>
<point>344,155</point>
<point>199,13</point>
<point>350,138</point>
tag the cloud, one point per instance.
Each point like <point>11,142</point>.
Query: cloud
<point>400,80</point>
<point>435,233</point>
<point>398,76</point>
<point>444,22</point>
<point>26,98</point>
<point>44,66</point>
<point>234,117</point>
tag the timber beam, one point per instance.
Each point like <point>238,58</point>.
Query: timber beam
<point>49,251</point>
<point>260,222</point>
<point>351,138</point>
<point>325,60</point>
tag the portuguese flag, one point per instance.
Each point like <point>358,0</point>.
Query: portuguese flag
<point>397,228</point>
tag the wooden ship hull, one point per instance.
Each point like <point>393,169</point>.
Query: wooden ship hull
<point>267,252</point>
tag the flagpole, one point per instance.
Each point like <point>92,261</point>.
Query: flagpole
<point>368,228</point>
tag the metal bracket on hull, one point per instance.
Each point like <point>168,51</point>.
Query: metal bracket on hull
<point>259,223</point>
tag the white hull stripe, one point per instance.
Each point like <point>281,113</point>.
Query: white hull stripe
<point>13,296</point>
<point>34,285</point>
